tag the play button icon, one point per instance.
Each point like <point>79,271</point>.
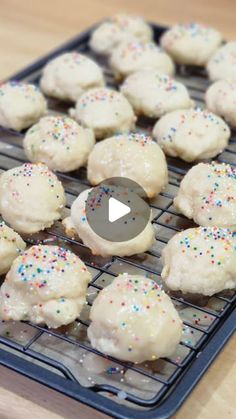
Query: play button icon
<point>116,209</point>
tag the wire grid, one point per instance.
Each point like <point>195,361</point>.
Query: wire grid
<point>131,383</point>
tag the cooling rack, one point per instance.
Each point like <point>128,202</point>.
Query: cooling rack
<point>63,359</point>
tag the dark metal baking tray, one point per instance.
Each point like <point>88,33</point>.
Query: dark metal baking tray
<point>56,357</point>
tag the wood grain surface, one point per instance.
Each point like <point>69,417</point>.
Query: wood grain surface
<point>29,29</point>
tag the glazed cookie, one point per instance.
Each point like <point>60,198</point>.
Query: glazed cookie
<point>123,155</point>
<point>208,253</point>
<point>105,111</point>
<point>153,95</point>
<point>133,56</point>
<point>59,142</point>
<point>207,194</point>
<point>117,29</point>
<point>11,244</point>
<point>31,197</point>
<point>221,99</point>
<point>222,64</point>
<point>191,43</point>
<point>21,105</point>
<point>141,322</point>
<point>191,134</point>
<point>134,25</point>
<point>69,75</point>
<point>77,224</point>
<point>45,285</point>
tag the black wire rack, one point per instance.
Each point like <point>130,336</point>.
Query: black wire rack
<point>63,359</point>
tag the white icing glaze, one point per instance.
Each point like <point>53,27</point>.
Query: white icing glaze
<point>207,194</point>
<point>191,43</point>
<point>31,197</point>
<point>191,134</point>
<point>141,322</point>
<point>124,155</point>
<point>69,75</point>
<point>59,142</point>
<point>153,95</point>
<point>46,284</point>
<point>21,105</point>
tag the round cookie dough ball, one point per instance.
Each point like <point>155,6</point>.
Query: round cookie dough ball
<point>77,224</point>
<point>45,285</point>
<point>221,99</point>
<point>153,95</point>
<point>123,155</point>
<point>207,194</point>
<point>133,56</point>
<point>141,322</point>
<point>117,29</point>
<point>108,36</point>
<point>59,142</point>
<point>208,253</point>
<point>191,43</point>
<point>222,64</point>
<point>105,111</point>
<point>69,75</point>
<point>11,244</point>
<point>191,134</point>
<point>31,197</point>
<point>21,105</point>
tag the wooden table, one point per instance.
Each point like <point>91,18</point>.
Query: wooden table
<point>29,29</point>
